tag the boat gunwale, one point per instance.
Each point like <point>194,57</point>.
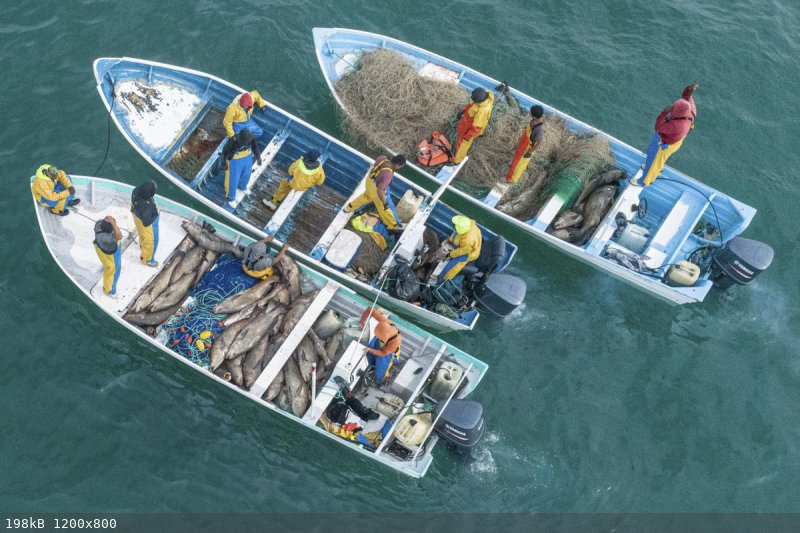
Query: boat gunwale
<point>653,286</point>
<point>441,322</point>
<point>176,208</point>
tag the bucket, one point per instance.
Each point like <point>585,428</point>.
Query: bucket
<point>351,331</point>
<point>444,383</point>
<point>412,429</point>
<point>683,274</point>
<point>408,206</point>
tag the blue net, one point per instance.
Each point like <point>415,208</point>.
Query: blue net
<point>191,331</point>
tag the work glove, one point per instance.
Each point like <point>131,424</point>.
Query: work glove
<point>71,190</point>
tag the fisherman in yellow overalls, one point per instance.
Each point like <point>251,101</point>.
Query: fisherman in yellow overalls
<point>239,114</point>
<point>467,240</point>
<point>377,186</point>
<point>474,118</point>
<point>304,173</point>
<point>108,246</point>
<point>53,189</point>
<point>145,216</point>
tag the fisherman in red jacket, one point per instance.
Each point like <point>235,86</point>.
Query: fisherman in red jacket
<point>672,126</point>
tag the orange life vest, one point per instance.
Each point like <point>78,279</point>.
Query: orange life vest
<point>433,152</point>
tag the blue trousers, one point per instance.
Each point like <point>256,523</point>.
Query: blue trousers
<point>251,125</point>
<point>652,150</point>
<point>238,175</point>
<point>382,364</point>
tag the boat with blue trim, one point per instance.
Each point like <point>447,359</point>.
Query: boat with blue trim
<point>173,117</point>
<point>675,239</point>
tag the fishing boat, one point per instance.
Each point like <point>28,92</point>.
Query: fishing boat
<point>429,382</point>
<point>173,117</point>
<point>675,239</point>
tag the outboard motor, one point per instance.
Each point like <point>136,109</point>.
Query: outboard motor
<point>460,424</point>
<point>740,261</point>
<point>499,294</point>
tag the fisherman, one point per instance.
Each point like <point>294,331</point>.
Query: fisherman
<point>672,126</point>
<point>257,262</point>
<point>52,188</point>
<point>466,243</point>
<point>530,140</point>
<point>108,245</point>
<point>304,173</point>
<point>145,216</point>
<point>239,114</point>
<point>370,223</point>
<point>237,159</point>
<point>384,346</point>
<point>377,186</point>
<point>473,120</point>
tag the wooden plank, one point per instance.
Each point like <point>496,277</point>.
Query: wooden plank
<point>336,225</point>
<point>352,360</point>
<point>293,339</point>
<point>657,248</point>
<point>267,156</point>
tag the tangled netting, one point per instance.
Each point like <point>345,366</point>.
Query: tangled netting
<point>390,105</point>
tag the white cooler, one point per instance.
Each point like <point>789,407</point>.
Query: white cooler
<point>343,249</point>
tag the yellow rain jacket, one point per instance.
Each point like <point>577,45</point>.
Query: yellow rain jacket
<point>468,243</point>
<point>472,125</point>
<point>43,187</point>
<point>236,113</point>
<point>303,178</point>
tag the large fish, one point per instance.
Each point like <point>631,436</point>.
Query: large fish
<point>241,314</point>
<point>223,342</point>
<point>297,310</point>
<point>567,219</point>
<point>566,234</point>
<point>258,326</point>
<point>595,209</point>
<point>157,285</point>
<point>235,368</point>
<point>205,266</point>
<point>297,387</point>
<point>291,276</point>
<point>174,294</point>
<point>222,371</point>
<point>208,240</point>
<point>150,319</point>
<point>604,178</point>
<point>319,347</point>
<point>333,348</point>
<point>278,294</point>
<point>190,262</point>
<point>274,388</point>
<point>252,361</point>
<point>284,400</point>
<point>245,298</point>
<point>306,358</point>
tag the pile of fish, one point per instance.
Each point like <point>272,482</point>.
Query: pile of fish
<point>257,324</point>
<point>192,258</point>
<point>577,224</point>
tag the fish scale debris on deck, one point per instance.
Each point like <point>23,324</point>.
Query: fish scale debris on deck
<point>291,343</point>
<point>312,220</point>
<point>674,215</point>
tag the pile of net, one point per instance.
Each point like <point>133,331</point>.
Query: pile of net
<point>390,105</point>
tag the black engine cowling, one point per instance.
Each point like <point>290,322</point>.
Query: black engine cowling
<point>740,261</point>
